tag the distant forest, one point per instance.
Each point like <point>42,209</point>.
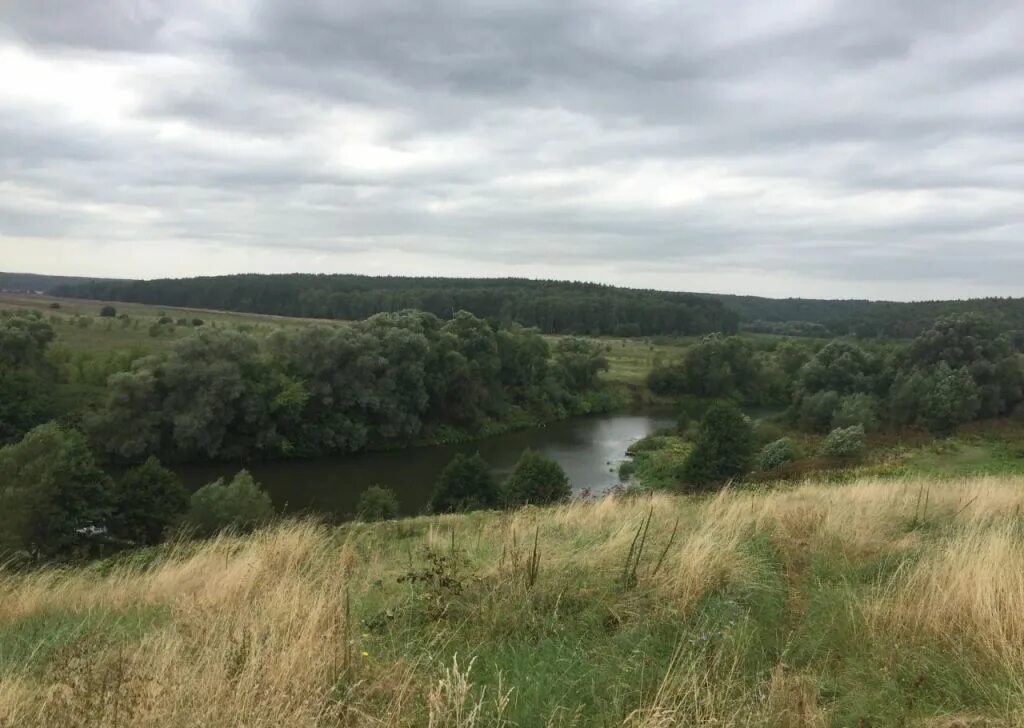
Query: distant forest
<point>552,306</point>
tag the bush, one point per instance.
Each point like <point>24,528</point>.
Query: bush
<point>723,448</point>
<point>845,442</point>
<point>108,312</point>
<point>466,484</point>
<point>377,503</point>
<point>197,322</point>
<point>537,480</point>
<point>239,505</point>
<point>776,454</point>
<point>54,305</point>
<point>857,409</point>
<point>148,500</point>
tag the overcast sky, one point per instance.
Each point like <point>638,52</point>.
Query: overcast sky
<point>868,148</point>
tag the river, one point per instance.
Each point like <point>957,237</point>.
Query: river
<point>588,448</point>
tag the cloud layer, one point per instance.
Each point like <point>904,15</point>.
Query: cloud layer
<point>813,148</point>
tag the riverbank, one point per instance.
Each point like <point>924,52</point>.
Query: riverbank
<point>813,605</point>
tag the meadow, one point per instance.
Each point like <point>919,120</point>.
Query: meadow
<point>872,603</point>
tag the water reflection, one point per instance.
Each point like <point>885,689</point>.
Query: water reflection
<point>589,448</point>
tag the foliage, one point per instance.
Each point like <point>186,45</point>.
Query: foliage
<point>537,480</point>
<point>816,411</point>
<point>723,447</point>
<point>51,492</point>
<point>580,362</point>
<point>466,484</point>
<point>845,442</point>
<point>952,399</point>
<point>237,505</point>
<point>221,394</point>
<point>776,454</point>
<point>108,312</point>
<point>148,500</point>
<point>377,503</point>
<point>858,409</point>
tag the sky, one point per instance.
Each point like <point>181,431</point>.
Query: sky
<point>869,149</point>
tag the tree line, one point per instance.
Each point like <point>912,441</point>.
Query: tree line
<point>960,369</point>
<point>554,307</point>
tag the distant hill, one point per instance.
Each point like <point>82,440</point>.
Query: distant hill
<point>33,282</point>
<point>557,307</point>
<point>552,306</point>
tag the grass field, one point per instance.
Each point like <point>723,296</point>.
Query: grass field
<point>101,335</point>
<point>875,603</point>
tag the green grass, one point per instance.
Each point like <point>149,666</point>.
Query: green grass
<point>774,609</point>
<point>33,641</point>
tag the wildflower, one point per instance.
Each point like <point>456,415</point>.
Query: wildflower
<point>365,653</point>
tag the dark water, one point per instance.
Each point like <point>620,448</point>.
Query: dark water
<point>588,448</point>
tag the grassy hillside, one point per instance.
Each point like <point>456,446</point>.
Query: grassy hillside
<point>876,603</point>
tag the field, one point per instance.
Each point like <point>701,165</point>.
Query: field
<point>79,326</point>
<point>875,603</point>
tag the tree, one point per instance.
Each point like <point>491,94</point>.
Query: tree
<point>51,492</point>
<point>857,409</point>
<point>537,480</point>
<point>723,448</point>
<point>953,399</point>
<point>377,503</point>
<point>108,312</point>
<point>971,342</point>
<point>816,411</point>
<point>580,361</point>
<point>466,484</point>
<point>148,499</point>
<point>840,367</point>
<point>239,505</point>
<point>845,442</point>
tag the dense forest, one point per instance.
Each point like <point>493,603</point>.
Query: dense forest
<point>552,306</point>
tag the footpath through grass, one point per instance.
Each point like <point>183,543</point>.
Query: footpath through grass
<point>876,603</point>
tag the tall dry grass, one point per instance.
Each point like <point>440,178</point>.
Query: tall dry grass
<point>264,630</point>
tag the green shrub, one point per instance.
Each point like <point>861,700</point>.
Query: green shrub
<point>377,503</point>
<point>466,484</point>
<point>845,442</point>
<point>538,480</point>
<point>108,312</point>
<point>148,500</point>
<point>776,454</point>
<point>239,505</point>
<point>723,448</point>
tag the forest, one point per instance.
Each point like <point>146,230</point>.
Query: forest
<point>553,307</point>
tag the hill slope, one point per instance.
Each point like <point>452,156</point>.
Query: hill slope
<point>556,307</point>
<point>873,603</point>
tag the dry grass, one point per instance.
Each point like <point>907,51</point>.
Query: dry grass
<point>305,625</point>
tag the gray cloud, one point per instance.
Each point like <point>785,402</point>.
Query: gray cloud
<point>807,147</point>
